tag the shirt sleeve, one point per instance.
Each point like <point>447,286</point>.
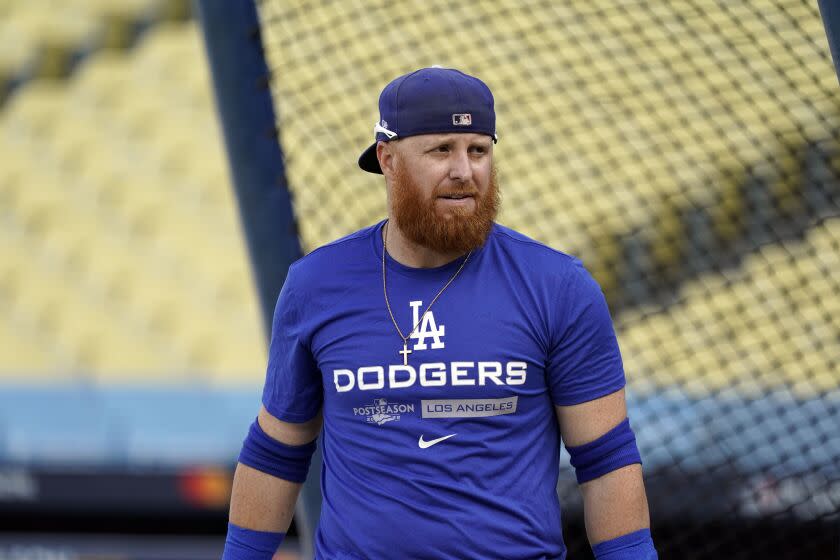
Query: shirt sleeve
<point>584,360</point>
<point>293,389</point>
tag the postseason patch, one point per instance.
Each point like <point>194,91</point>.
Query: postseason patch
<point>468,408</point>
<point>382,411</point>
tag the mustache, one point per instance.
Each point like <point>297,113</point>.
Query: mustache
<point>466,190</point>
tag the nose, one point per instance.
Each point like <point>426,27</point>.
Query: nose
<point>460,168</point>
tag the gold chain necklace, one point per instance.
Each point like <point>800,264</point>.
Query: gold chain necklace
<point>405,351</point>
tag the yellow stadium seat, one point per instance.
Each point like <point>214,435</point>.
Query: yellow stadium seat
<point>18,51</point>
<point>100,82</point>
<point>35,112</point>
<point>23,358</point>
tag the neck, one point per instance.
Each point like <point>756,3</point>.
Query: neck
<point>408,253</point>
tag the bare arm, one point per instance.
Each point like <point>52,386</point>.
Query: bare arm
<point>263,502</point>
<point>614,504</point>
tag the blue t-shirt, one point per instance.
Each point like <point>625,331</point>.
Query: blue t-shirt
<point>456,454</point>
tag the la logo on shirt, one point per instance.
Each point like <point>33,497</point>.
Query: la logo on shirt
<point>429,328</point>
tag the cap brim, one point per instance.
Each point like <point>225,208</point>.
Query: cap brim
<point>368,160</point>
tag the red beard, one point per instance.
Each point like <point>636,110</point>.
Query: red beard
<point>458,230</point>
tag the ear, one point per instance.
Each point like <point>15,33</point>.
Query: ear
<point>385,153</point>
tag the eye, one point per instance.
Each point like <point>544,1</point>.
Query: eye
<point>479,149</point>
<point>441,148</point>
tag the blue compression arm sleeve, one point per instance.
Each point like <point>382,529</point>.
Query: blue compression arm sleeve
<point>637,545</point>
<point>266,454</point>
<point>246,544</point>
<point>615,449</point>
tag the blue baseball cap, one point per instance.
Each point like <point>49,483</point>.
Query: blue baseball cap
<point>431,101</point>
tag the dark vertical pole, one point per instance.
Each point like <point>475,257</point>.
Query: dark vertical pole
<point>830,10</point>
<point>243,99</point>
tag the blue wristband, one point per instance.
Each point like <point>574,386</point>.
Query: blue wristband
<point>247,544</point>
<point>637,545</point>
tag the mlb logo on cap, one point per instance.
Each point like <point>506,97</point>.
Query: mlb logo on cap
<point>462,119</point>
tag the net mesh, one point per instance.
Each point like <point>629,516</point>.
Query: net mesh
<point>688,153</point>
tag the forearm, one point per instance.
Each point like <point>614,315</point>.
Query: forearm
<point>266,485</point>
<point>262,502</point>
<point>615,504</point>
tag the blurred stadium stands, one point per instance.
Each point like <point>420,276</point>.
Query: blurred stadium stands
<point>688,152</point>
<point>131,349</point>
<point>46,38</point>
<point>119,187</point>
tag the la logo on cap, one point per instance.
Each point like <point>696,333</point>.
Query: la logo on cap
<point>462,119</point>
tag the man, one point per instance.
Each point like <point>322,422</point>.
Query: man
<point>446,354</point>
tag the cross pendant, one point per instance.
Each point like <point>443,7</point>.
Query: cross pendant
<point>405,352</point>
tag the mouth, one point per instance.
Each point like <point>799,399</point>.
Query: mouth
<point>463,202</point>
<point>456,196</point>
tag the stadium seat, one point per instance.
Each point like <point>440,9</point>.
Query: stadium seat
<point>27,357</point>
<point>99,83</point>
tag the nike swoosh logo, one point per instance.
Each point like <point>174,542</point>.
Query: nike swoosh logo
<point>424,444</point>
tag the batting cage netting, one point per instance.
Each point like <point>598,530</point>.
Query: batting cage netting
<point>688,152</point>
